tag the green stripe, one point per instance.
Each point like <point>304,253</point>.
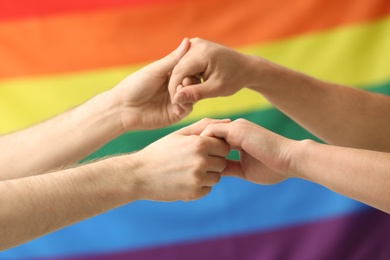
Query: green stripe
<point>270,118</point>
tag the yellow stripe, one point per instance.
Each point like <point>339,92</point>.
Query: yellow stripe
<point>351,55</point>
<point>27,101</point>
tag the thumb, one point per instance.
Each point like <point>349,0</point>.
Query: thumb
<point>165,65</point>
<point>234,169</point>
<point>198,127</point>
<point>194,93</point>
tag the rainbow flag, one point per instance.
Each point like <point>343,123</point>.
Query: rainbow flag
<point>56,54</point>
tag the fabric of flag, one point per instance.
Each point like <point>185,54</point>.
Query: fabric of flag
<point>56,54</point>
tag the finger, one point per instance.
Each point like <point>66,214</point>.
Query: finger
<point>220,131</point>
<point>165,65</point>
<point>195,92</point>
<point>190,81</point>
<point>233,168</point>
<point>225,132</point>
<point>217,147</point>
<point>204,191</point>
<point>211,178</point>
<point>181,85</point>
<point>186,82</point>
<point>196,193</point>
<point>188,66</point>
<point>216,164</point>
<point>198,127</point>
<point>181,110</point>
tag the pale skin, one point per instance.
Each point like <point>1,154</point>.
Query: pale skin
<point>353,122</point>
<point>42,190</point>
<point>82,130</point>
<point>37,205</point>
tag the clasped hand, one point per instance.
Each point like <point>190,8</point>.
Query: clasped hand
<point>265,157</point>
<point>163,92</point>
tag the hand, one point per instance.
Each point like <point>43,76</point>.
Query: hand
<point>144,97</point>
<point>264,156</point>
<point>182,165</point>
<point>223,70</point>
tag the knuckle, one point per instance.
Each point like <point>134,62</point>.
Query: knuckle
<point>191,195</point>
<point>223,165</point>
<point>195,40</point>
<point>206,120</point>
<point>196,94</point>
<point>196,180</point>
<point>217,178</point>
<point>205,190</point>
<point>226,150</point>
<point>201,163</point>
<point>240,121</point>
<point>199,143</point>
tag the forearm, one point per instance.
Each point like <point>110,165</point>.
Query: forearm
<point>37,205</point>
<point>362,175</point>
<point>60,141</point>
<point>337,114</point>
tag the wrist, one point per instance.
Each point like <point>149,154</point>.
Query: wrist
<point>263,74</point>
<point>300,158</point>
<point>126,170</point>
<point>254,72</point>
<point>107,108</point>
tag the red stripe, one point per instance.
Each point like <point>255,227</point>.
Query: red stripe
<point>18,9</point>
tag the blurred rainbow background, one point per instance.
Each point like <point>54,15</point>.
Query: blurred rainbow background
<point>56,54</point>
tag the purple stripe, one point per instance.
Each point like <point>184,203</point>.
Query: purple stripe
<point>359,236</point>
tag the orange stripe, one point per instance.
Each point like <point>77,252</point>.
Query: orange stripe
<point>135,35</point>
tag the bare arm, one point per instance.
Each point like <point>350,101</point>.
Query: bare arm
<point>268,158</point>
<point>69,137</point>
<point>61,141</point>
<point>33,205</point>
<point>337,114</point>
<point>37,205</point>
<point>359,174</point>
